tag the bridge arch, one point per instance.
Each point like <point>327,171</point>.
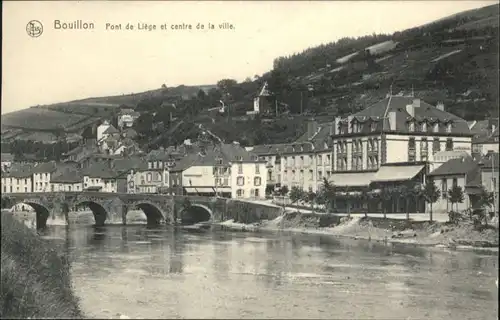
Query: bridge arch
<point>42,212</point>
<point>100,213</point>
<point>196,213</point>
<point>154,215</point>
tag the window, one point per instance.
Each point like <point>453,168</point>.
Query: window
<point>69,188</point>
<point>148,177</point>
<point>240,181</point>
<point>239,158</point>
<point>25,189</point>
<point>25,181</point>
<point>444,188</point>
<point>150,165</point>
<point>218,181</point>
<point>257,181</point>
<point>226,181</point>
<point>320,159</point>
<point>219,161</point>
<point>240,168</point>
<point>411,126</point>
<point>436,145</point>
<point>454,183</point>
<point>256,193</point>
<point>423,149</point>
<point>239,193</point>
<point>373,126</point>
<point>436,127</point>
<point>257,168</point>
<point>328,159</point>
<point>311,174</point>
<point>448,127</point>
<point>411,150</point>
<point>449,144</point>
<point>320,175</point>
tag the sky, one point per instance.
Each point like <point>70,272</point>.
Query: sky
<point>64,65</point>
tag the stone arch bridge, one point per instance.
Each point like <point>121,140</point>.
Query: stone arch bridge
<point>158,209</point>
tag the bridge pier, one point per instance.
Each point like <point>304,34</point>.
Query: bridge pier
<point>41,220</point>
<point>99,219</point>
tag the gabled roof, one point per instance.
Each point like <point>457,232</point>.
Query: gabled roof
<point>111,130</point>
<point>68,176</point>
<point>458,166</point>
<point>99,170</point>
<point>45,167</point>
<point>398,105</point>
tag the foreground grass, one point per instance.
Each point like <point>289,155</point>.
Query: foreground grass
<point>35,280</point>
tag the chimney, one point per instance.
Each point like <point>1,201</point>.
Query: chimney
<point>410,108</point>
<point>349,124</point>
<point>392,120</point>
<point>440,106</point>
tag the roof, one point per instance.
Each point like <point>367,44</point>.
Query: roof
<point>67,176</point>
<point>45,167</point>
<point>99,170</point>
<point>111,130</point>
<point>7,157</point>
<point>126,164</point>
<point>228,153</point>
<point>19,170</point>
<point>130,133</point>
<point>159,155</point>
<point>424,111</point>
<point>457,166</point>
<point>489,161</point>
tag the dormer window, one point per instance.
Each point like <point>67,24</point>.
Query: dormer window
<point>424,126</point>
<point>436,127</point>
<point>411,126</point>
<point>373,126</point>
<point>448,127</point>
<point>218,161</point>
<point>239,158</point>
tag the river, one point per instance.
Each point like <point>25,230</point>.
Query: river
<point>170,273</point>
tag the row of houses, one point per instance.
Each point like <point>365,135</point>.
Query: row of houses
<point>225,169</point>
<point>397,140</point>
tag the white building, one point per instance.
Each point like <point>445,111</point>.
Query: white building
<point>226,170</point>
<point>18,180</point>
<point>67,180</point>
<point>42,174</point>
<point>127,117</point>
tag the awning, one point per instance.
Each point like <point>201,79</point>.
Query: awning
<point>397,173</point>
<point>360,179</point>
<point>199,190</point>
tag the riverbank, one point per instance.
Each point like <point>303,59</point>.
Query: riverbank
<point>422,233</point>
<point>35,278</point>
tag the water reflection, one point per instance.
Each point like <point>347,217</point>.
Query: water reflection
<point>168,273</point>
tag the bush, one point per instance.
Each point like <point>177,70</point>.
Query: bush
<point>455,217</point>
<point>35,280</point>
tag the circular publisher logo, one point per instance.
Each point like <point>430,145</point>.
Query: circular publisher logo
<point>34,28</point>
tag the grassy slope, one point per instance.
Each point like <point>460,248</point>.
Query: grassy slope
<point>35,280</point>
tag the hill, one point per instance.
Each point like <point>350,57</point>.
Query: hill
<point>453,60</point>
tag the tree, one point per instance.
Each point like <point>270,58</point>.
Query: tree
<point>384,196</point>
<point>456,196</point>
<point>284,190</point>
<point>431,193</point>
<point>7,203</point>
<point>296,194</point>
<point>310,197</point>
<point>328,192</point>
